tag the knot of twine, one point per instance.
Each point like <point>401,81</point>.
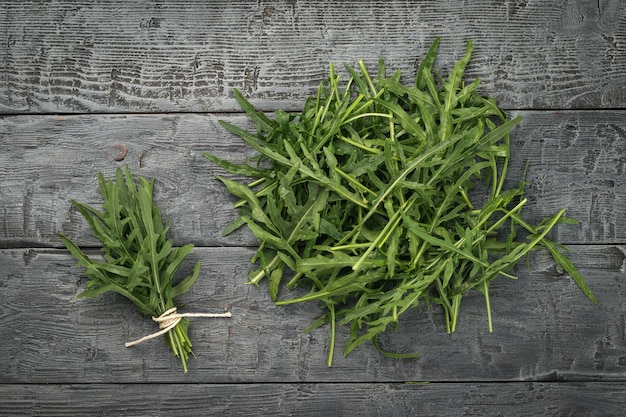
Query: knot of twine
<point>169,319</point>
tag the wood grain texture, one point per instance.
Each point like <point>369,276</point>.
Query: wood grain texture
<point>576,160</point>
<point>450,400</point>
<point>544,329</point>
<point>46,161</point>
<point>123,56</point>
<point>88,86</point>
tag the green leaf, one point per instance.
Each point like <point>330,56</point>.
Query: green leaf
<point>426,64</point>
<point>264,124</point>
<point>321,264</point>
<point>237,169</point>
<point>256,209</point>
<point>451,88</point>
<point>569,267</point>
<point>274,281</point>
<point>185,285</point>
<point>263,235</point>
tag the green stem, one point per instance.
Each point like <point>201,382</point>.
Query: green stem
<point>331,349</point>
<point>488,303</point>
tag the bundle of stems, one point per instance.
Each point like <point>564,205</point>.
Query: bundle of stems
<point>139,262</point>
<point>370,197</point>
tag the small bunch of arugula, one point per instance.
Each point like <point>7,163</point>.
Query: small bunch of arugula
<point>365,198</point>
<point>139,261</point>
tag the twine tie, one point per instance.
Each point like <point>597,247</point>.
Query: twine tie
<point>169,319</point>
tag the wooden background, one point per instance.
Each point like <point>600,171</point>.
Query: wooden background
<point>87,86</point>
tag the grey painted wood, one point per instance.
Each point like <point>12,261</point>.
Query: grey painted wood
<point>518,399</point>
<point>576,160</point>
<point>544,329</point>
<point>124,56</point>
<point>46,161</point>
<point>132,72</point>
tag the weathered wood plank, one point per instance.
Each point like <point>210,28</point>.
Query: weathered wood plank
<point>544,329</point>
<point>126,56</point>
<point>65,356</point>
<point>577,161</point>
<point>519,399</point>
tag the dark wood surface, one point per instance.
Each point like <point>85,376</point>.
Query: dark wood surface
<point>528,399</point>
<point>123,56</point>
<point>544,329</point>
<point>86,87</point>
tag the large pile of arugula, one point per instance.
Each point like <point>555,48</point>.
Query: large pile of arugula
<point>366,198</point>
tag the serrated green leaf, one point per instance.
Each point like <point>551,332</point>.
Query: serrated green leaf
<point>569,267</point>
<point>185,285</point>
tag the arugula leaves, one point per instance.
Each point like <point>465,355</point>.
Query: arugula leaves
<point>139,262</point>
<point>366,198</point>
